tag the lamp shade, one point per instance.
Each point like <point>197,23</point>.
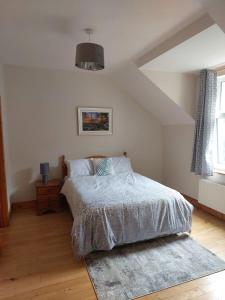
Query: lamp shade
<point>90,56</point>
<point>44,168</point>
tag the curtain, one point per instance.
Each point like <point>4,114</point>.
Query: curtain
<point>202,159</point>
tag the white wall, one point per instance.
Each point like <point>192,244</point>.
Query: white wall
<point>178,139</point>
<point>1,81</point>
<point>42,124</point>
<point>181,88</point>
<point>149,95</point>
<point>5,135</point>
<point>177,155</point>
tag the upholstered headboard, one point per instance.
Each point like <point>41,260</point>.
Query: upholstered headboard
<point>64,166</point>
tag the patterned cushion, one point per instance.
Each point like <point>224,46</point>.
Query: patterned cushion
<point>103,167</point>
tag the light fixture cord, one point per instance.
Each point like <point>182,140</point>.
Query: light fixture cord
<point>89,31</point>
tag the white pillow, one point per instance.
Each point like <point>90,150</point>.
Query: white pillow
<point>121,164</point>
<point>79,167</point>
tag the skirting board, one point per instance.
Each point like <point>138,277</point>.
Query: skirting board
<point>24,205</point>
<point>194,202</point>
<point>207,209</point>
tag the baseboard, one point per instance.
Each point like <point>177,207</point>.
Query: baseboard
<point>193,201</point>
<point>207,209</point>
<point>32,204</point>
<point>24,205</point>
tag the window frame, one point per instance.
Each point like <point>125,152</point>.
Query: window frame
<point>220,115</point>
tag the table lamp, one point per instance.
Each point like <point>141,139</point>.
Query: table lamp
<point>44,171</point>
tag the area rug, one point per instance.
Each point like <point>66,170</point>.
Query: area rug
<point>132,271</point>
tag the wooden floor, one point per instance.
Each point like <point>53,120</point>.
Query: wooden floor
<point>36,261</point>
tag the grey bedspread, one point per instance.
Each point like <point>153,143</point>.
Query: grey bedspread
<point>120,209</point>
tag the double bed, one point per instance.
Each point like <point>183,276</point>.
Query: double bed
<point>122,208</point>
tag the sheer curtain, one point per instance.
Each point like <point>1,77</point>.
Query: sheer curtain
<point>202,159</point>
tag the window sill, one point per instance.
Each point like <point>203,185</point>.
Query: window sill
<point>218,171</point>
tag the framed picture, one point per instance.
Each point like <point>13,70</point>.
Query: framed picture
<point>94,121</point>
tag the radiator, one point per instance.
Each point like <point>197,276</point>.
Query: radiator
<point>212,194</point>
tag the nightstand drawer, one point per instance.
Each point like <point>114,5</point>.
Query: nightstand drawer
<point>47,197</point>
<point>48,190</point>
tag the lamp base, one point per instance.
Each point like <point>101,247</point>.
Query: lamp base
<point>45,179</point>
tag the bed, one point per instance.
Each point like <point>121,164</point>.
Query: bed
<point>122,208</point>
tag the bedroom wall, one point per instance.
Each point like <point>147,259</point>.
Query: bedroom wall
<point>5,134</point>
<point>177,155</point>
<point>178,144</point>
<point>179,87</point>
<point>42,124</point>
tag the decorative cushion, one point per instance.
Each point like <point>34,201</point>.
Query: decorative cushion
<point>121,164</point>
<point>103,166</point>
<point>79,167</point>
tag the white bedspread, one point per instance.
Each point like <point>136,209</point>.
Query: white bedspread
<point>124,208</point>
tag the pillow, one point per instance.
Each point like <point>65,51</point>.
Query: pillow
<point>103,166</point>
<point>79,167</point>
<point>121,164</point>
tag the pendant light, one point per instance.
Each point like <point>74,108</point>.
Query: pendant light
<point>89,56</point>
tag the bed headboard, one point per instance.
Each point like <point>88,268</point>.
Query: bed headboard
<point>64,166</point>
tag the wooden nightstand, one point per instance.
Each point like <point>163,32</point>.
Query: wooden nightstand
<point>47,196</point>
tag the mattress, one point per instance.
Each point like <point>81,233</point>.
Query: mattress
<point>123,208</point>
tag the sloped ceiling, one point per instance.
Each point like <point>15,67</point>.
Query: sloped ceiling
<point>149,93</point>
<point>179,87</point>
<point>194,54</point>
<point>45,33</point>
<point>149,96</point>
<point>216,9</point>
<point>205,34</point>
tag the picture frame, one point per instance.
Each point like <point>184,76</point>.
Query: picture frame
<point>94,121</point>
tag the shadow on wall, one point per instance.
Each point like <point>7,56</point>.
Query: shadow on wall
<point>24,187</point>
<point>56,171</point>
<point>24,182</point>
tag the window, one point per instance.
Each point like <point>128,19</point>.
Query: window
<point>219,151</point>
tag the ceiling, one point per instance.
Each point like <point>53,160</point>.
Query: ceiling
<point>44,33</point>
<point>204,50</point>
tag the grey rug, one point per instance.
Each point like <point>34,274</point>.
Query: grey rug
<point>132,271</point>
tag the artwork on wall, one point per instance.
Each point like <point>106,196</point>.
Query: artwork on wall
<point>94,121</point>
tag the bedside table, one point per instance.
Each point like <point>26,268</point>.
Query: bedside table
<point>47,196</point>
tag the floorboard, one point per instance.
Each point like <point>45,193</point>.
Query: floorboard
<point>36,260</point>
